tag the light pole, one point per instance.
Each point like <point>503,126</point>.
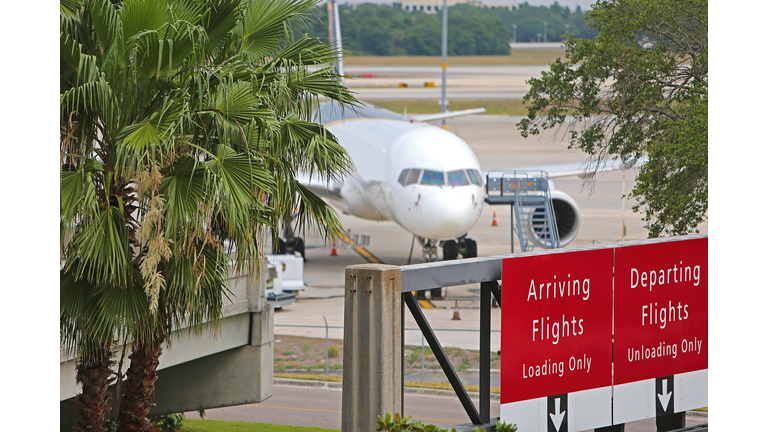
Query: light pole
<point>545,32</point>
<point>443,105</point>
<point>538,37</point>
<point>567,26</point>
<point>514,33</point>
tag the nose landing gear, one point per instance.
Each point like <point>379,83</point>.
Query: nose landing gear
<point>463,246</point>
<point>429,249</point>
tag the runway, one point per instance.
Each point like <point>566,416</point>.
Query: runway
<point>464,82</point>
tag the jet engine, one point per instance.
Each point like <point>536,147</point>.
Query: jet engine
<point>567,217</point>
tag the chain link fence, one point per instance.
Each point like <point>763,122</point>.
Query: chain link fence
<point>419,363</point>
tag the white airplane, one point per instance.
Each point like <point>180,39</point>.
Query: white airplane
<point>419,176</point>
<point>422,177</point>
<point>425,179</point>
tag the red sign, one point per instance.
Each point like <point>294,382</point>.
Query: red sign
<point>556,324</point>
<point>661,309</point>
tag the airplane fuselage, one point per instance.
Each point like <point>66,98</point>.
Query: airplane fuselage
<point>421,177</point>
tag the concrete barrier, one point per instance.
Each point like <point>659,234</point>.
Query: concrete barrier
<point>372,346</point>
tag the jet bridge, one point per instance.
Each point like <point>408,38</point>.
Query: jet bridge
<point>533,216</point>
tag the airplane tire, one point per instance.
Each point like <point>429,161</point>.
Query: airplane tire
<point>471,248</point>
<point>450,250</point>
<point>280,247</point>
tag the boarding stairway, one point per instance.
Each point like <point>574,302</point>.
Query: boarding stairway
<point>533,215</point>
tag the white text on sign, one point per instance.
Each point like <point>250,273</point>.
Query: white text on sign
<point>557,368</point>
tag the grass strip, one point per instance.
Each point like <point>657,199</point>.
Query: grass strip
<point>411,384</point>
<point>308,377</point>
<point>192,425</point>
<point>492,106</point>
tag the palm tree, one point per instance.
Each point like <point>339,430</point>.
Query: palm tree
<point>184,124</point>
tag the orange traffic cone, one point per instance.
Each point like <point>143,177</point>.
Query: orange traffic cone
<point>494,220</point>
<point>456,316</point>
<point>333,248</point>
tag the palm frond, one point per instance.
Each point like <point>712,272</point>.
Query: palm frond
<point>140,16</point>
<point>106,23</point>
<point>219,22</point>
<point>70,8</point>
<point>313,211</point>
<point>316,149</point>
<point>186,191</point>
<point>100,249</point>
<point>264,22</point>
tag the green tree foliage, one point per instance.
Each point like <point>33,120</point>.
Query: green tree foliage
<point>423,36</point>
<point>373,29</point>
<point>640,88</point>
<point>184,124</point>
<point>530,21</point>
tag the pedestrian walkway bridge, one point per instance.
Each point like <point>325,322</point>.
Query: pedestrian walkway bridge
<point>201,372</point>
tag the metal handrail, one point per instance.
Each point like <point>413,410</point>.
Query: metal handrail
<point>439,274</point>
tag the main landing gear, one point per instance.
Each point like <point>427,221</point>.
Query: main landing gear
<point>463,246</point>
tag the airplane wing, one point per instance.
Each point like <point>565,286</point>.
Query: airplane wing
<point>445,115</point>
<point>319,187</point>
<point>581,169</point>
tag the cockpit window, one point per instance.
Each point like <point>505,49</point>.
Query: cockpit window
<point>457,178</point>
<point>414,176</point>
<point>480,178</point>
<point>403,176</point>
<point>460,177</point>
<point>473,177</point>
<point>409,176</point>
<point>432,178</point>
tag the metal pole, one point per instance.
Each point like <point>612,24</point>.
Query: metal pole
<point>514,33</point>
<point>485,351</point>
<point>439,353</point>
<point>545,32</point>
<point>623,196</point>
<point>326,345</point>
<point>443,104</point>
<point>512,227</point>
<point>402,357</point>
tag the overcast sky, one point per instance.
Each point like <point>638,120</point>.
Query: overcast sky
<point>571,3</point>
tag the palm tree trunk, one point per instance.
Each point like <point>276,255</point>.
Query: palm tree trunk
<point>94,372</point>
<point>140,386</point>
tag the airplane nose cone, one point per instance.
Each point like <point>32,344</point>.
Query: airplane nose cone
<point>449,215</point>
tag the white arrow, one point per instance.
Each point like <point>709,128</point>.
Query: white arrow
<point>557,417</point>
<point>664,396</point>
